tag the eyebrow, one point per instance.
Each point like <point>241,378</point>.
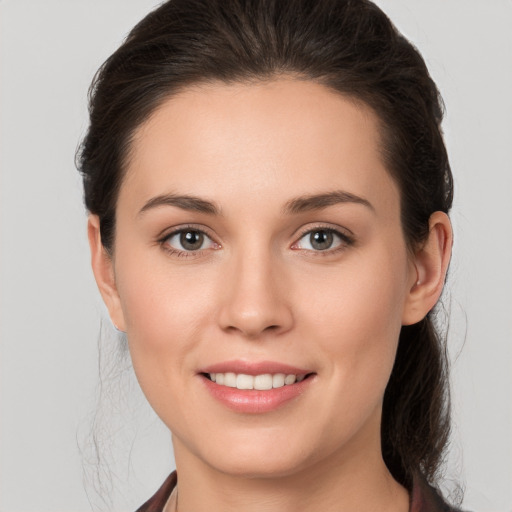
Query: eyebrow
<point>323,200</point>
<point>297,205</point>
<point>185,202</point>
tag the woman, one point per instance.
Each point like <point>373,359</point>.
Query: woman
<point>268,191</point>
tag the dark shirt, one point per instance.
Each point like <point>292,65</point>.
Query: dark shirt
<point>424,498</point>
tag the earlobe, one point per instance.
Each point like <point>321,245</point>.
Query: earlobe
<point>103,270</point>
<point>431,262</point>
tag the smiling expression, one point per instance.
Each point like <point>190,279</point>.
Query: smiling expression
<point>258,239</point>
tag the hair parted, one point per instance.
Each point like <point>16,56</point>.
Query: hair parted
<point>349,46</point>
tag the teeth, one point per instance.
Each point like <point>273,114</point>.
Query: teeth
<point>263,382</point>
<point>260,382</point>
<point>230,380</point>
<point>244,381</point>
<point>278,380</point>
<point>289,379</point>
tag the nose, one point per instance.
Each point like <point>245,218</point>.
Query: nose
<point>254,296</point>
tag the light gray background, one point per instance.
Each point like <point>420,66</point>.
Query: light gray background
<point>50,309</point>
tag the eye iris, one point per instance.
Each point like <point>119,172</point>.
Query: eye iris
<point>191,240</point>
<point>321,240</point>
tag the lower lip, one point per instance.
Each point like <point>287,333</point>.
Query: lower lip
<point>253,401</point>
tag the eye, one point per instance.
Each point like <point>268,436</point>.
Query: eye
<point>322,239</point>
<point>188,240</point>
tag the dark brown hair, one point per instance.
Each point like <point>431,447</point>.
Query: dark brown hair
<point>349,46</point>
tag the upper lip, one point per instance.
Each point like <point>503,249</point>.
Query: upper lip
<point>254,368</point>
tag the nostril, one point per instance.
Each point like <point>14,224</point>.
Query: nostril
<point>252,315</point>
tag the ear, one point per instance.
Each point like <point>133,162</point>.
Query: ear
<point>103,269</point>
<point>430,264</point>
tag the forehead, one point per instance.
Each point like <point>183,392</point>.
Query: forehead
<point>277,139</point>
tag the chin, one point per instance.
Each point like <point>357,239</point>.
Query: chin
<point>258,467</point>
<point>258,458</point>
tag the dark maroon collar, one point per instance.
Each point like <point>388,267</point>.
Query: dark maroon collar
<point>157,502</point>
<point>424,498</point>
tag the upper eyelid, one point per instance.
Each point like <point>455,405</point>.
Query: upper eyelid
<point>344,232</point>
<point>343,237</point>
<point>168,232</point>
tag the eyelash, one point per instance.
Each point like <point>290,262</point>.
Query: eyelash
<point>183,253</point>
<point>345,241</point>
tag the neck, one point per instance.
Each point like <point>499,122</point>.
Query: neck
<point>330,485</point>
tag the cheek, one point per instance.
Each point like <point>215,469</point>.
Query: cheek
<point>356,325</point>
<point>355,314</point>
<point>156,292</point>
<point>164,309</point>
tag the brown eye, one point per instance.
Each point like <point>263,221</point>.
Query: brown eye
<point>191,240</point>
<point>321,240</point>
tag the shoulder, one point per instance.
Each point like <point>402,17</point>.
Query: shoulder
<point>157,502</point>
<point>425,498</point>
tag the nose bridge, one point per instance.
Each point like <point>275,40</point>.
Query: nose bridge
<point>254,300</point>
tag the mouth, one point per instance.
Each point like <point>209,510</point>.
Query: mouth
<point>256,388</point>
<point>261,382</point>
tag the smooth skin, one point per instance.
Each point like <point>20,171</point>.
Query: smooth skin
<point>256,286</point>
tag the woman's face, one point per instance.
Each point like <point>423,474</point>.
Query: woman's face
<point>258,234</point>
